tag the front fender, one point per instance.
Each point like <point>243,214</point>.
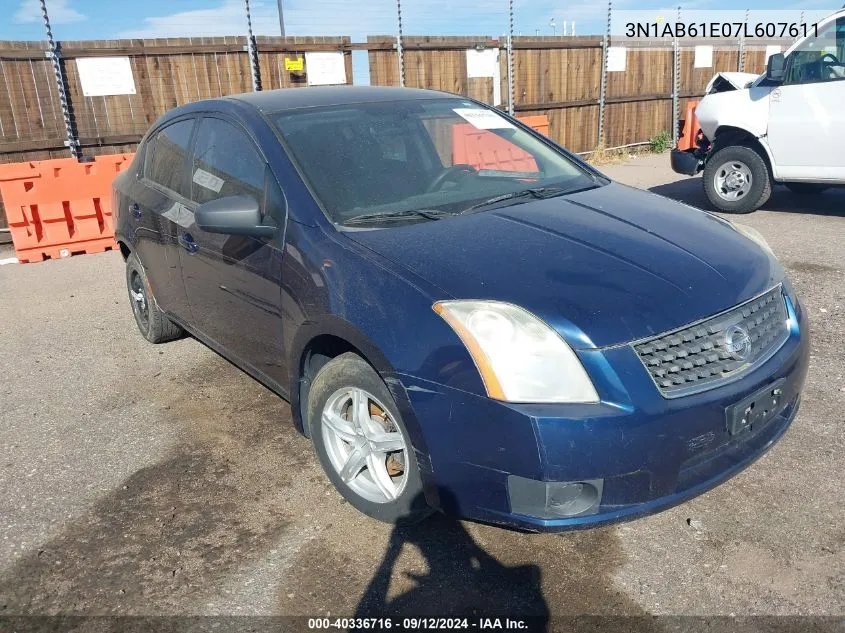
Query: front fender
<point>746,109</point>
<point>346,291</point>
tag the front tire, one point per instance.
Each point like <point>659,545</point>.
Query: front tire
<point>737,180</point>
<point>362,443</point>
<point>151,321</point>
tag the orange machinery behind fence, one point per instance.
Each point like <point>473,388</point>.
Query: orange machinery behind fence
<point>485,150</point>
<point>60,207</point>
<point>688,138</point>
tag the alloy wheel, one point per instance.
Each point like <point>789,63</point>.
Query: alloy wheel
<point>138,295</point>
<point>364,445</point>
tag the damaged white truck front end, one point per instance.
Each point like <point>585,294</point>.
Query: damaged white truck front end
<point>735,100</point>
<point>785,126</point>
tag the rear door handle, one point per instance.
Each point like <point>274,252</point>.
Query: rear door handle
<point>187,242</point>
<point>136,210</point>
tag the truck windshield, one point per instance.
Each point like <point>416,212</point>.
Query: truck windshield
<point>440,156</point>
<point>819,58</point>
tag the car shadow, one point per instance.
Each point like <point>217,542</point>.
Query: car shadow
<point>691,191</point>
<point>463,580</point>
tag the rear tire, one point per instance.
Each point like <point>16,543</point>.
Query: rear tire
<point>151,321</point>
<point>349,445</point>
<point>806,188</point>
<point>737,180</point>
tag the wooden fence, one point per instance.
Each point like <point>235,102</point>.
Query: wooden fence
<point>556,77</point>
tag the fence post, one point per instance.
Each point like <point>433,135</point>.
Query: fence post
<point>55,56</point>
<point>676,83</point>
<point>399,49</point>
<point>281,18</point>
<point>605,45</point>
<point>741,61</point>
<point>510,57</point>
<point>251,50</point>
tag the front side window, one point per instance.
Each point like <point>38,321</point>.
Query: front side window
<point>819,59</point>
<point>438,156</point>
<point>165,156</point>
<point>226,163</point>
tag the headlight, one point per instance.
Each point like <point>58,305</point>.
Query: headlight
<point>755,236</point>
<point>520,358</point>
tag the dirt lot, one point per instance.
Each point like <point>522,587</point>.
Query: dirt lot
<point>141,479</point>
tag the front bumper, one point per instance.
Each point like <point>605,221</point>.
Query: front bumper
<point>648,452</point>
<point>685,162</point>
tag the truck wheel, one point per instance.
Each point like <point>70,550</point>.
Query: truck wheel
<point>737,180</point>
<point>806,188</point>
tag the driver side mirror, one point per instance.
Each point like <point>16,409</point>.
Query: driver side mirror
<point>776,68</point>
<point>233,215</point>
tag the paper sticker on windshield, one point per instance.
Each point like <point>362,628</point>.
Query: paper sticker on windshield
<point>209,181</point>
<point>483,119</point>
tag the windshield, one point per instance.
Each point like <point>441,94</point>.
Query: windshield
<point>820,57</point>
<point>421,159</point>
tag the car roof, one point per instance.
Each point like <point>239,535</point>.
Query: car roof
<point>292,98</point>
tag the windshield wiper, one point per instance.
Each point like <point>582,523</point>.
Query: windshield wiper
<point>428,214</point>
<point>538,192</point>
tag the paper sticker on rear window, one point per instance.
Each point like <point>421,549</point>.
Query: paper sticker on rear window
<point>483,119</point>
<point>209,181</point>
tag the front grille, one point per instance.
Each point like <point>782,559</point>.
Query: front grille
<point>713,351</point>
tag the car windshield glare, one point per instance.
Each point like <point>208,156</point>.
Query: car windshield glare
<point>442,155</point>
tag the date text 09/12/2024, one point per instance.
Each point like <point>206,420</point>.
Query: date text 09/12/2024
<point>720,29</point>
<point>418,623</point>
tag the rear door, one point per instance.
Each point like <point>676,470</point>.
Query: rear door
<point>806,113</point>
<point>157,208</point>
<point>233,282</point>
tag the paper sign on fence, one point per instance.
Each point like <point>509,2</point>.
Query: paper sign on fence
<point>773,49</point>
<point>482,63</point>
<point>105,76</point>
<point>325,69</point>
<point>703,57</point>
<point>616,58</point>
<point>486,64</point>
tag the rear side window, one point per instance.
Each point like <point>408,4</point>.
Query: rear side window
<point>165,156</point>
<point>226,163</point>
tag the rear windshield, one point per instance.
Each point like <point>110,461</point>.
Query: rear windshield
<point>442,154</point>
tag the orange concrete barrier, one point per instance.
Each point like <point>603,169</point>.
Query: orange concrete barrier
<point>538,122</point>
<point>485,150</point>
<point>60,207</point>
<point>688,137</point>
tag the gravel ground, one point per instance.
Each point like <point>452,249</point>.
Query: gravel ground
<point>143,479</point>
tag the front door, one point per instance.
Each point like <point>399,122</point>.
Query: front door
<point>806,113</point>
<point>233,282</point>
<point>157,208</point>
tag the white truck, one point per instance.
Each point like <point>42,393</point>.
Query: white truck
<point>785,126</point>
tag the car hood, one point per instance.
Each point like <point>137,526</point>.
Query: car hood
<point>736,80</point>
<point>603,267</point>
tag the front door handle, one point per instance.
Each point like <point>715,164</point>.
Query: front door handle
<point>187,242</point>
<point>136,210</point>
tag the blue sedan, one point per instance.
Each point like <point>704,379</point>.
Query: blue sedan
<point>463,315</point>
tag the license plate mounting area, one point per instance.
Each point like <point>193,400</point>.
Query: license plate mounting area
<point>757,410</point>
